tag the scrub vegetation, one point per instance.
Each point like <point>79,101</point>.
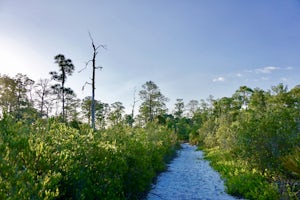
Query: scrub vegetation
<point>252,139</point>
<point>53,147</point>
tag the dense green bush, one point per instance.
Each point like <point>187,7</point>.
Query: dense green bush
<point>241,179</point>
<point>50,160</point>
<point>259,131</point>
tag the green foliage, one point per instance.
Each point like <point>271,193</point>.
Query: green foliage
<point>14,97</point>
<point>241,179</point>
<point>50,160</point>
<point>183,128</point>
<point>256,130</point>
<point>66,68</point>
<point>292,162</point>
<point>101,109</point>
<point>252,138</point>
<point>21,176</point>
<point>153,102</point>
<point>268,137</point>
<point>116,113</point>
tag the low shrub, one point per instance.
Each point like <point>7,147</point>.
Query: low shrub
<point>241,180</point>
<point>51,160</point>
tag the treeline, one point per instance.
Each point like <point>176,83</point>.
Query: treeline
<point>253,139</point>
<point>27,100</point>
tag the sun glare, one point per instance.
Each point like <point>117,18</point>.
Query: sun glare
<point>18,56</point>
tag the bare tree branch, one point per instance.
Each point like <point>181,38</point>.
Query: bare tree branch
<point>93,44</point>
<point>86,65</point>
<point>91,37</point>
<point>103,47</point>
<point>86,83</point>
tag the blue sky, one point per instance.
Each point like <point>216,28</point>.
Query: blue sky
<point>190,48</point>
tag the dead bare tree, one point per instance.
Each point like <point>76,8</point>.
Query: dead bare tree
<point>93,61</point>
<point>134,102</point>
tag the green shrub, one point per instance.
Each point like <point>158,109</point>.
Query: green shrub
<point>51,160</point>
<point>240,178</point>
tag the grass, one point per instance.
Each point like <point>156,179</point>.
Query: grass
<point>241,180</point>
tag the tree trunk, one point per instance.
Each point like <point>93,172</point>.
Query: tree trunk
<point>63,92</point>
<point>42,105</point>
<point>93,86</point>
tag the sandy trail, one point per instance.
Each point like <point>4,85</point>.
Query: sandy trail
<point>189,177</point>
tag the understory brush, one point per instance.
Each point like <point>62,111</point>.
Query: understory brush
<point>242,180</point>
<point>50,160</point>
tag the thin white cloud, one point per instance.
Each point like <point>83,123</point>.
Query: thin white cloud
<point>266,70</point>
<point>239,75</point>
<point>289,68</point>
<point>219,79</point>
<point>284,79</point>
<point>255,75</point>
